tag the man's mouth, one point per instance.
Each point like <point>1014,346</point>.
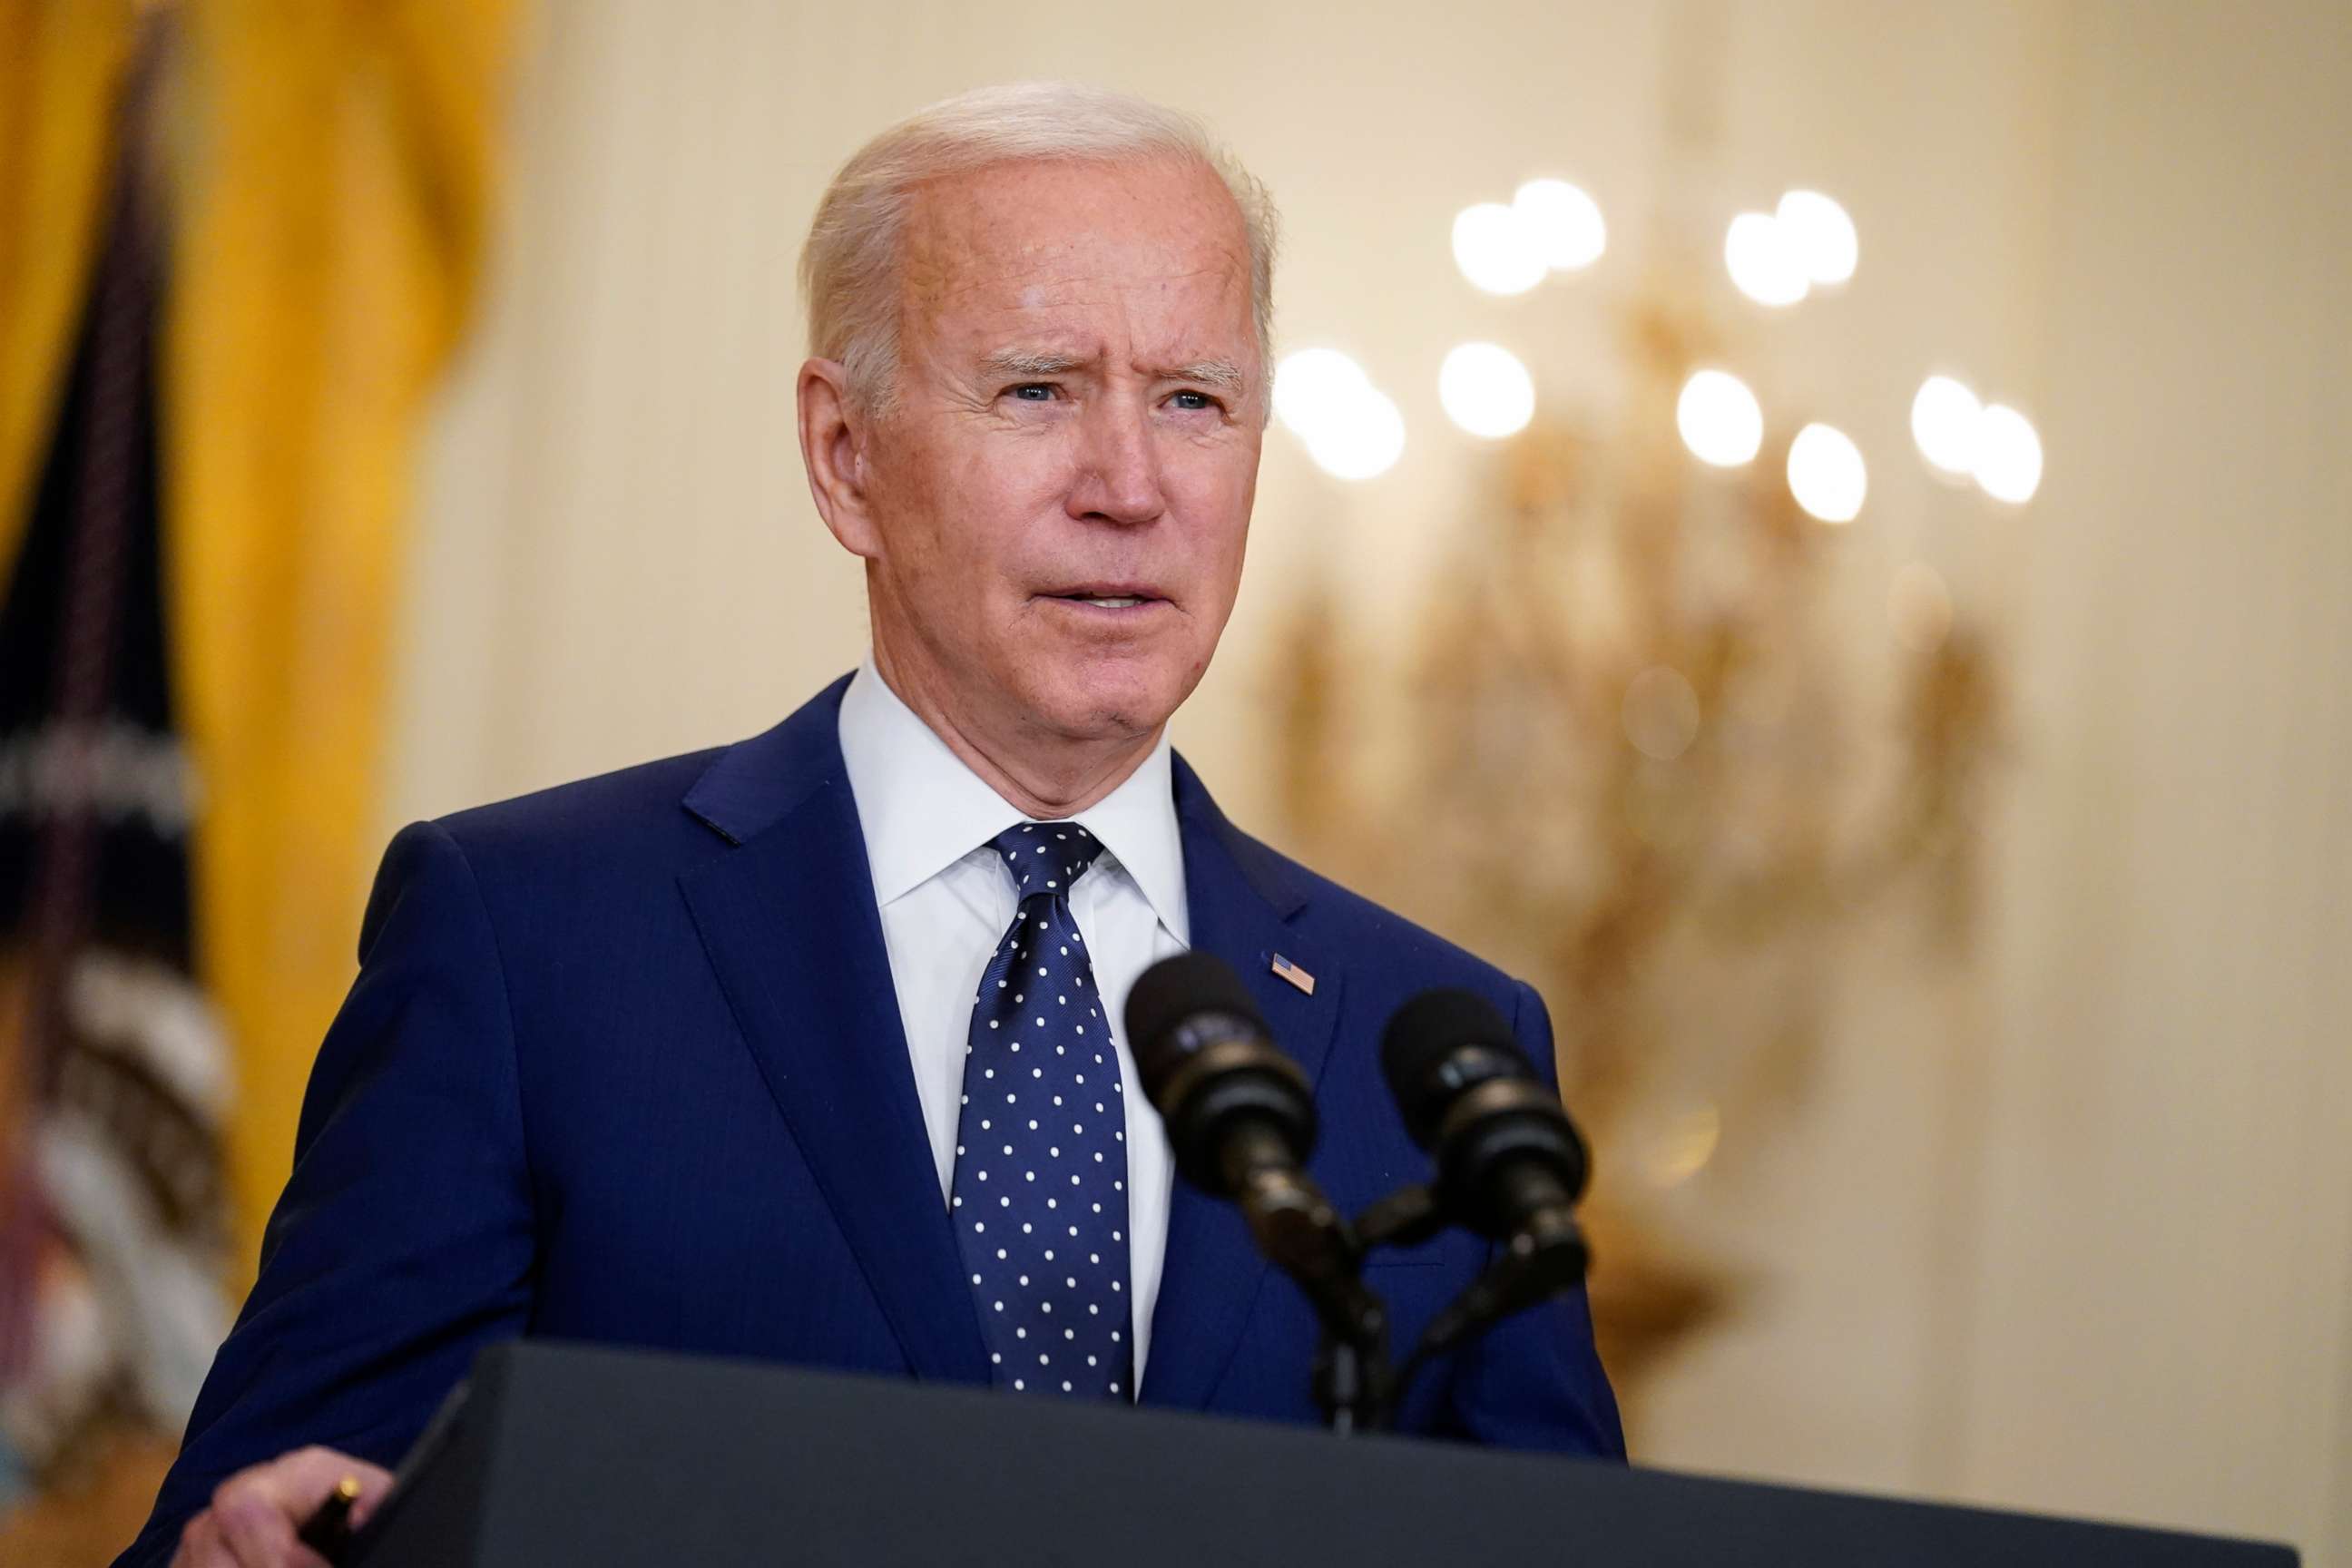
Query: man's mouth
<point>1108,596</point>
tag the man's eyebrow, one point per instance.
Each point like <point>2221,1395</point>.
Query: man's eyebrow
<point>1223,375</point>
<point>1018,361</point>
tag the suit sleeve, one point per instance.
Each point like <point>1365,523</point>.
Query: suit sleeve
<point>404,1240</point>
<point>1535,1381</point>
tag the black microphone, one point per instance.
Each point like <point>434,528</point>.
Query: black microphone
<point>1510,1164</point>
<point>1509,1161</point>
<point>1240,1113</point>
<point>1241,1121</point>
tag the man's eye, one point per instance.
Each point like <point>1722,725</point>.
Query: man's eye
<point>1190,400</point>
<point>1033,392</point>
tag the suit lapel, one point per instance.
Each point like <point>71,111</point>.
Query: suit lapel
<point>1240,897</point>
<point>788,920</point>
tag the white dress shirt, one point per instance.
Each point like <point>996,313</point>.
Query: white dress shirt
<point>947,899</point>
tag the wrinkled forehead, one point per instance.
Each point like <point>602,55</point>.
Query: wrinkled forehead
<point>1155,249</point>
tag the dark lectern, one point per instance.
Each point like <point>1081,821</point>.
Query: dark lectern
<point>562,1455</point>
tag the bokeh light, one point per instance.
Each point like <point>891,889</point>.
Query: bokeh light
<point>1564,223</point>
<point>1817,229</point>
<point>1661,713</point>
<point>1486,390</point>
<point>1763,265</point>
<point>1919,607</point>
<point>2008,455</point>
<point>1352,431</point>
<point>1719,418</point>
<point>1826,473</point>
<point>1310,384</point>
<point>1364,443</point>
<point>1497,249</point>
<point>1944,417</point>
<point>1682,1147</point>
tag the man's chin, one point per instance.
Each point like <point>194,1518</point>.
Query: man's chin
<point>1110,700</point>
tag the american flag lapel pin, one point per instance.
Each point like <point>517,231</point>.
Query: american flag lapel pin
<point>1296,975</point>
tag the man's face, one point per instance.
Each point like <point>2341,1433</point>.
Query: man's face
<point>1060,497</point>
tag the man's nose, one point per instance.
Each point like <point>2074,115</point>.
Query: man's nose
<point>1119,463</point>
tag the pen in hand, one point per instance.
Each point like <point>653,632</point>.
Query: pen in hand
<point>328,1531</point>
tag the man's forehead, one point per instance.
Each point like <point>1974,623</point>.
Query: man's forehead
<point>1205,338</point>
<point>1005,198</point>
<point>1042,238</point>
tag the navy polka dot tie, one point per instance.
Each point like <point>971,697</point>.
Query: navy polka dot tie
<point>1040,1192</point>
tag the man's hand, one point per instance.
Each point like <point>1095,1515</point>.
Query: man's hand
<point>255,1512</point>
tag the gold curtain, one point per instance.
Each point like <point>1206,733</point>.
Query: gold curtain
<point>331,203</point>
<point>60,65</point>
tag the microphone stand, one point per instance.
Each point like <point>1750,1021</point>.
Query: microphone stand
<point>1548,1258</point>
<point>1300,1233</point>
<point>1352,1378</point>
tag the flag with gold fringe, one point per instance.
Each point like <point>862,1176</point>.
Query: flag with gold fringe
<point>238,240</point>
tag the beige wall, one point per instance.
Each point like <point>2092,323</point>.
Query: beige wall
<point>2070,1229</point>
<point>2172,1097</point>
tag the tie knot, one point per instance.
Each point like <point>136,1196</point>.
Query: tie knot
<point>1046,857</point>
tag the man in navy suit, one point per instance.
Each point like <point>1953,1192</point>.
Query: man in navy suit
<point>706,1055</point>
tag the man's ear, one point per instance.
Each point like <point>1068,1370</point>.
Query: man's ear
<point>835,433</point>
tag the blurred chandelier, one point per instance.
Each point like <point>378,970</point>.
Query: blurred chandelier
<point>1636,731</point>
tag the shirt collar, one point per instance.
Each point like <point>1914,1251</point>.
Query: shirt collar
<point>921,809</point>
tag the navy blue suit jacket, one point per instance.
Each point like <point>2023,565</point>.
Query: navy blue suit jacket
<point>624,1063</point>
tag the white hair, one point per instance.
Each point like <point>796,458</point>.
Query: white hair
<point>849,265</point>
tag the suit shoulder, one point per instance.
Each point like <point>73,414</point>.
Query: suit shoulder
<point>1349,923</point>
<point>632,807</point>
